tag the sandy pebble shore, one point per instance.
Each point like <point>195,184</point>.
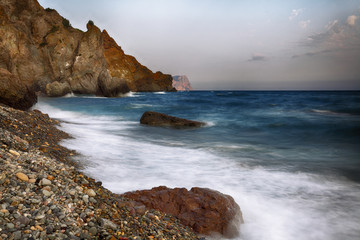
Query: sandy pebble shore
<point>44,196</point>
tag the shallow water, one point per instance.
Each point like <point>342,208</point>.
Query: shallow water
<point>291,160</point>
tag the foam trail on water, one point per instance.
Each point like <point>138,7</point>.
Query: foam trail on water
<point>276,205</point>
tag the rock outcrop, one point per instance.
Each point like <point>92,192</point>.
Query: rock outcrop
<point>161,119</point>
<point>181,83</point>
<point>205,210</point>
<point>125,67</point>
<point>13,93</point>
<point>41,50</point>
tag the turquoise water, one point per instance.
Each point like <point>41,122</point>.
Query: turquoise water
<point>291,160</point>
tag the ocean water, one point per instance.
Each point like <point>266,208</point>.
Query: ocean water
<point>291,160</point>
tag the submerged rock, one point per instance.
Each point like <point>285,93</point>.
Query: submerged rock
<point>161,119</point>
<point>205,210</point>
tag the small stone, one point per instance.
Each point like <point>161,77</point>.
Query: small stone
<point>23,220</point>
<point>93,231</point>
<point>108,224</point>
<point>38,217</point>
<point>72,192</point>
<point>10,225</point>
<point>85,198</point>
<point>46,193</point>
<point>49,229</point>
<point>32,180</point>
<point>17,235</point>
<point>22,176</point>
<point>91,193</point>
<point>45,182</point>
<point>47,188</point>
<point>13,152</point>
<point>50,177</point>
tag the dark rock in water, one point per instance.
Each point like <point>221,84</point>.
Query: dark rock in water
<point>161,119</point>
<point>205,210</point>
<point>15,93</point>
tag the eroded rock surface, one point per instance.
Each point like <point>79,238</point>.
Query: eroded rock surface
<point>41,51</point>
<point>205,210</point>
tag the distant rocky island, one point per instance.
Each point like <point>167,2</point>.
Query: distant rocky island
<point>41,52</point>
<point>181,83</point>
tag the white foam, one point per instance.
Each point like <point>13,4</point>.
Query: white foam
<point>276,205</point>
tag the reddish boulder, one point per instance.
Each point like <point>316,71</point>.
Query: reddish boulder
<point>204,210</point>
<point>161,119</point>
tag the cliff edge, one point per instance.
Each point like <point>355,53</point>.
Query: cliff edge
<point>41,52</point>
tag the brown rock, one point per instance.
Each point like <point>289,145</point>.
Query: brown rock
<point>22,176</point>
<point>41,52</point>
<point>205,210</point>
<point>14,93</point>
<point>181,83</point>
<point>57,89</point>
<point>138,77</point>
<point>160,119</point>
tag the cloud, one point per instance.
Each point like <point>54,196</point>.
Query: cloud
<point>304,24</point>
<point>295,13</point>
<point>312,53</point>
<point>257,57</point>
<point>352,20</point>
<point>331,24</point>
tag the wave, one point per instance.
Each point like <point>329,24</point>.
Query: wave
<point>328,112</point>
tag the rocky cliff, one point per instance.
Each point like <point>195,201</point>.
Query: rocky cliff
<point>181,83</point>
<point>40,51</point>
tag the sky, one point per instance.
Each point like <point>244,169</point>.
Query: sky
<point>234,44</point>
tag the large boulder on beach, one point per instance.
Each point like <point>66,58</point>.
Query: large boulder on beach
<point>14,93</point>
<point>161,119</point>
<point>204,210</point>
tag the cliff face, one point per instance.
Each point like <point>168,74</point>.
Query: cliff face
<point>181,83</point>
<point>126,67</point>
<point>41,50</point>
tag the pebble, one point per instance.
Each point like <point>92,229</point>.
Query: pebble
<point>10,225</point>
<point>22,176</point>
<point>43,196</point>
<point>45,182</point>
<point>15,153</point>
<point>46,193</point>
<point>90,192</point>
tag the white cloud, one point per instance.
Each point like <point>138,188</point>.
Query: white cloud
<point>352,20</point>
<point>331,24</point>
<point>304,24</point>
<point>295,13</point>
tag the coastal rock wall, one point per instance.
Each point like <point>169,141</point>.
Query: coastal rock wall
<point>44,53</point>
<point>181,83</point>
<point>138,77</point>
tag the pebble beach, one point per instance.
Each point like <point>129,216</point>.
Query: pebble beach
<point>44,195</point>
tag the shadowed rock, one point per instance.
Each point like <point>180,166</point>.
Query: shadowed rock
<point>205,210</point>
<point>161,119</point>
<point>14,93</point>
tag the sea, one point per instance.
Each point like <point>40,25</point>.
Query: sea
<point>290,159</point>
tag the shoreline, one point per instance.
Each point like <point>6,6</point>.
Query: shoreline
<point>44,195</point>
